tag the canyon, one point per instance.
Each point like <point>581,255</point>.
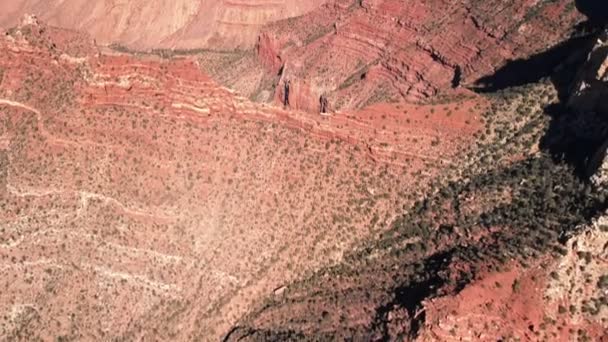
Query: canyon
<point>140,186</point>
<point>515,250</point>
<point>353,54</point>
<point>317,170</point>
<point>142,25</point>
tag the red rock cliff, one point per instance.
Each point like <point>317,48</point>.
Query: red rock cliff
<point>361,52</point>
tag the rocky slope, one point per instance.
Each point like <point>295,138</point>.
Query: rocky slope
<point>514,250</point>
<point>140,200</point>
<point>349,54</point>
<point>181,24</point>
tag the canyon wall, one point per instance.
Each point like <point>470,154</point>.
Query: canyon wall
<point>180,24</point>
<point>354,53</point>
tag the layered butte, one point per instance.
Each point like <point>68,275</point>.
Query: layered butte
<point>179,24</point>
<point>349,54</point>
<point>142,200</point>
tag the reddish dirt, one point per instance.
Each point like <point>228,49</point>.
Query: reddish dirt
<point>550,300</point>
<point>180,24</point>
<point>141,200</point>
<point>359,52</point>
<point>545,299</point>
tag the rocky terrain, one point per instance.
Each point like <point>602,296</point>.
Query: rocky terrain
<point>325,55</point>
<point>141,199</point>
<point>354,53</point>
<point>404,183</point>
<point>161,24</point>
<point>516,250</point>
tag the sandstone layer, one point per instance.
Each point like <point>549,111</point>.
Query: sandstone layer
<point>173,24</point>
<point>350,54</point>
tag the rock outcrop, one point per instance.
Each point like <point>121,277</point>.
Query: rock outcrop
<point>360,52</point>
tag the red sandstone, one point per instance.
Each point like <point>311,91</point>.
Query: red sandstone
<point>142,200</point>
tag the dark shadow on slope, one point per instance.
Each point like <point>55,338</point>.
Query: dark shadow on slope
<point>571,137</point>
<point>577,135</point>
<point>541,216</point>
<point>595,10</point>
<point>550,206</point>
<point>250,334</point>
<point>411,296</point>
<point>571,52</point>
<point>574,138</point>
<point>530,70</point>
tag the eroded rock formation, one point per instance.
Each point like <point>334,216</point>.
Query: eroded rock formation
<point>141,200</point>
<point>179,24</point>
<point>362,52</point>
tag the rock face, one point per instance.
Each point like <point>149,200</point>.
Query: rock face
<point>140,200</point>
<point>180,24</point>
<point>346,54</point>
<point>359,52</point>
